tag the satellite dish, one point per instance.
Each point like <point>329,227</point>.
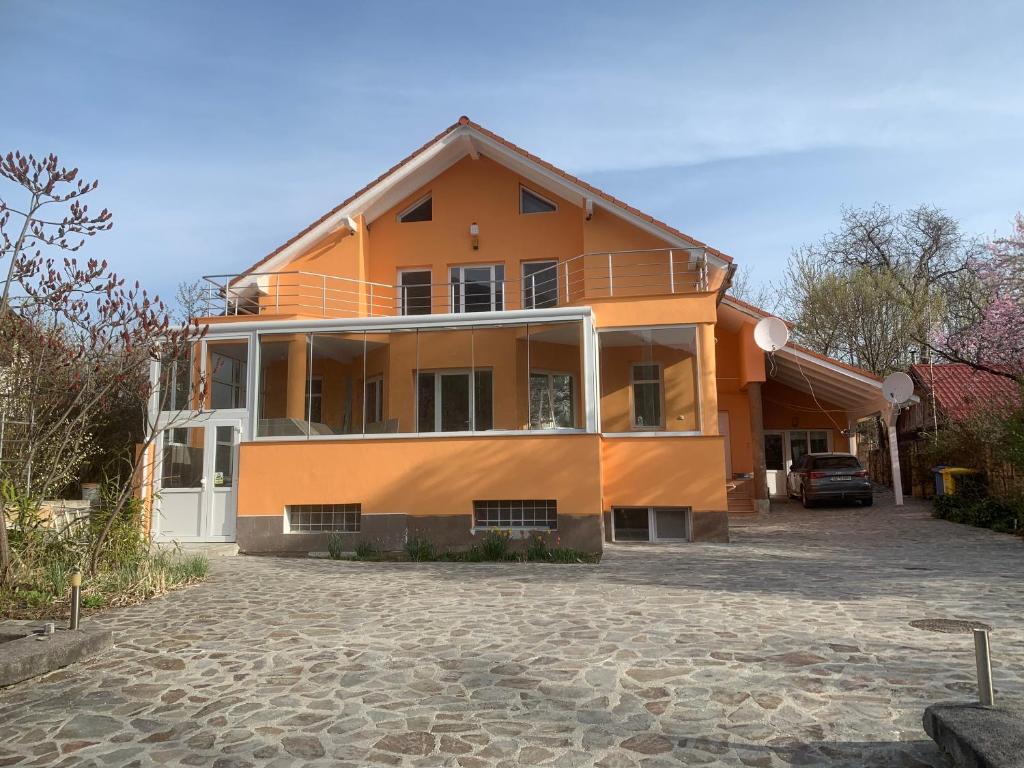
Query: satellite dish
<point>898,388</point>
<point>771,334</point>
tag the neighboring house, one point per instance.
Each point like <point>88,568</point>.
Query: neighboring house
<point>947,392</point>
<point>478,340</point>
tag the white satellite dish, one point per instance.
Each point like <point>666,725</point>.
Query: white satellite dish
<point>898,388</point>
<point>771,334</point>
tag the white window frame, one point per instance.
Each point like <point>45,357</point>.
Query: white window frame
<point>523,281</point>
<point>377,382</point>
<point>633,381</point>
<point>551,397</point>
<point>469,373</point>
<point>402,287</point>
<point>409,209</point>
<point>461,269</point>
<point>539,196</point>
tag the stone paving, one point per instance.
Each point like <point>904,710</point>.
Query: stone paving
<point>790,646</point>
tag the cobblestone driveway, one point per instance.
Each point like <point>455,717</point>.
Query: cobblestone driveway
<point>790,646</point>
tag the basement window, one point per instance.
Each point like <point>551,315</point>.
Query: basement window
<point>531,202</point>
<point>315,518</point>
<point>516,513</point>
<point>421,210</point>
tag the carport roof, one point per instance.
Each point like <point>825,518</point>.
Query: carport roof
<point>857,391</point>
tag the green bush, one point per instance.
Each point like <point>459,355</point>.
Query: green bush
<point>420,549</point>
<point>969,507</point>
<point>537,548</point>
<point>495,545</point>
<point>365,550</point>
<point>335,546</point>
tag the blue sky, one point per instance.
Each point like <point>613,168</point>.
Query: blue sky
<point>219,129</point>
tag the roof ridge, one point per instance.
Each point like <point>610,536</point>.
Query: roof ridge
<point>466,121</point>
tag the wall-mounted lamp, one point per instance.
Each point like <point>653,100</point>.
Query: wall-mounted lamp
<point>474,236</point>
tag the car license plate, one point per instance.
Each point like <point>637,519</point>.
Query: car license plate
<point>842,477</point>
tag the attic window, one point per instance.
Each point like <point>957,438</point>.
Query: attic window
<point>531,202</point>
<point>421,210</point>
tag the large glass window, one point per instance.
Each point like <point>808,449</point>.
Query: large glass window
<point>552,401</point>
<point>540,284</point>
<point>284,385</point>
<point>556,370</point>
<point>227,371</point>
<point>477,289</point>
<point>649,380</point>
<point>802,442</point>
<point>177,369</point>
<point>451,379</point>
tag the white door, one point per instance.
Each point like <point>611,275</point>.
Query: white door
<point>197,481</point>
<point>723,429</point>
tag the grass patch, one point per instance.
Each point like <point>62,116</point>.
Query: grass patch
<point>128,571</point>
<point>45,593</point>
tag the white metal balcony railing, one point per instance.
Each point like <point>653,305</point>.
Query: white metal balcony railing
<point>664,271</point>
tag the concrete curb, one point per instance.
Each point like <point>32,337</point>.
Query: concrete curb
<point>25,656</point>
<point>976,736</point>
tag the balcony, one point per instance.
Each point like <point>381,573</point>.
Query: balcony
<point>483,288</point>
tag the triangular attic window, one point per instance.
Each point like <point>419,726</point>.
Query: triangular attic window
<point>420,211</point>
<point>531,202</point>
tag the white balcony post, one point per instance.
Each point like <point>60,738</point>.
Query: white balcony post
<point>227,300</point>
<point>369,312</point>
<point>323,305</point>
<point>533,292</point>
<point>611,286</point>
<point>277,294</point>
<point>671,272</point>
<point>566,263</point>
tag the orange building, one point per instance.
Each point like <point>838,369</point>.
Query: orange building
<point>478,340</point>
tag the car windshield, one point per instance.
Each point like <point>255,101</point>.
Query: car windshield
<point>836,462</point>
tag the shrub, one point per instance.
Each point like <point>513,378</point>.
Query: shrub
<point>335,546</point>
<point>495,545</point>
<point>971,508</point>
<point>365,550</point>
<point>537,548</point>
<point>420,549</point>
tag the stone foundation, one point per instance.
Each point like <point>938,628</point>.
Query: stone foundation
<point>264,534</point>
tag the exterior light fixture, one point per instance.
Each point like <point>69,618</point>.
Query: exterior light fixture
<point>474,236</point>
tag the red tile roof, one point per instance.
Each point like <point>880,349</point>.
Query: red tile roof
<point>961,391</point>
<point>533,158</point>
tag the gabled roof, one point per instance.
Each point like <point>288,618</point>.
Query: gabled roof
<point>961,391</point>
<point>459,139</point>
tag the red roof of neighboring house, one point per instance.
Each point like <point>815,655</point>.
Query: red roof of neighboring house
<point>466,121</point>
<point>961,391</point>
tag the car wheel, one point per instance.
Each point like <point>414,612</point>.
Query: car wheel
<point>803,498</point>
<point>867,502</point>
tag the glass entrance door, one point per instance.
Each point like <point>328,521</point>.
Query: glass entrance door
<point>196,481</point>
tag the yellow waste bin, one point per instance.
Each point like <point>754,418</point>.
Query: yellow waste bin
<point>949,475</point>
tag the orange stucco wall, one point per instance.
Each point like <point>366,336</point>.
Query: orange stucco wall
<point>415,476</point>
<point>664,471</point>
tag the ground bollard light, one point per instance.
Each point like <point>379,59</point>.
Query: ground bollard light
<point>76,599</point>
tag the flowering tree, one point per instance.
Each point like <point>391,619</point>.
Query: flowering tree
<point>75,343</point>
<point>990,334</point>
<point>964,298</point>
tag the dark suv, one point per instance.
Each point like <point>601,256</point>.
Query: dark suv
<point>829,477</point>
